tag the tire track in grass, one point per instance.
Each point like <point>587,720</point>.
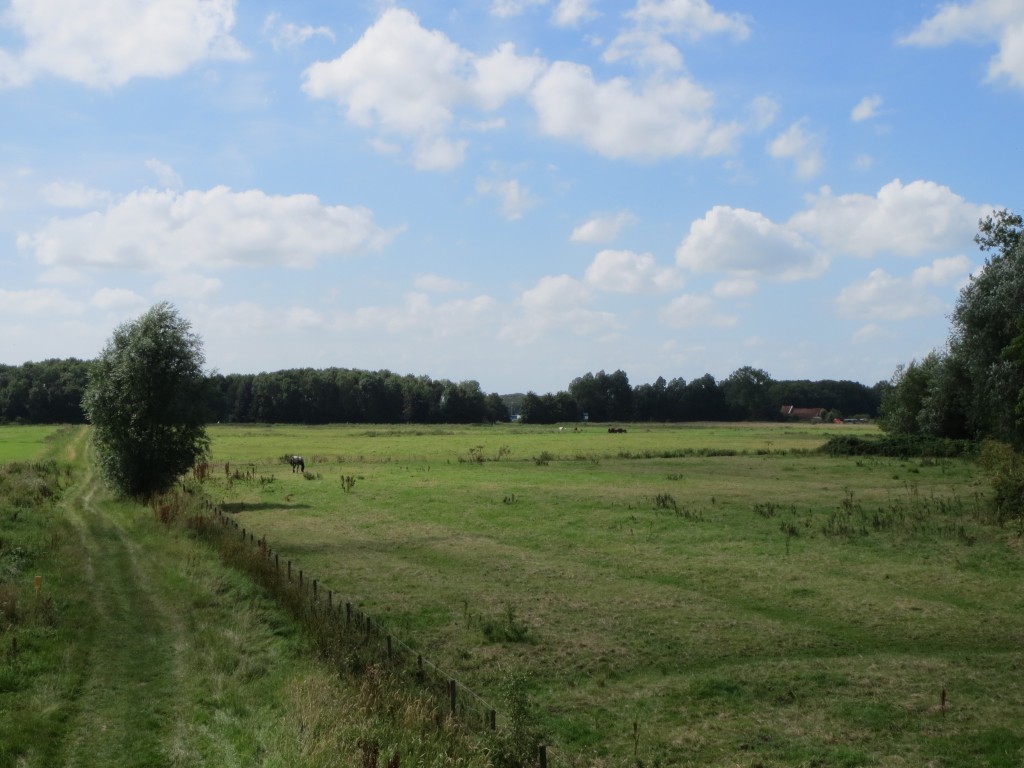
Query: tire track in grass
<point>126,706</point>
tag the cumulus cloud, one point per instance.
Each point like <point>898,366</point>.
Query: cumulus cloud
<point>431,283</point>
<point>506,8</point>
<point>979,21</point>
<point>763,111</point>
<point>629,272</point>
<point>106,43</point>
<point>189,285</point>
<point>166,176</point>
<point>556,303</point>
<point>570,13</point>
<point>734,289</point>
<point>664,118</point>
<point>866,108</point>
<point>37,301</point>
<point>406,81</point>
<point>954,269</point>
<point>602,228</point>
<point>418,315</point>
<point>117,299</point>
<point>285,34</point>
<point>884,297</point>
<point>747,244</point>
<point>688,310</point>
<point>655,20</point>
<point>800,146</point>
<point>515,198</point>
<point>206,230</point>
<point>73,194</point>
<point>907,220</point>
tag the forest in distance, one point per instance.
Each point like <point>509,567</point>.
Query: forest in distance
<point>50,392</point>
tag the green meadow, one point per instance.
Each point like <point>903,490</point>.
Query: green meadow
<point>24,442</point>
<point>706,595</point>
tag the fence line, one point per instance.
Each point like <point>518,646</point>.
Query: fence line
<point>340,628</point>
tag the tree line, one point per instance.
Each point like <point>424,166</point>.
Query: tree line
<point>973,388</point>
<point>51,392</point>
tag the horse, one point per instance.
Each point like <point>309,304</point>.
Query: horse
<point>298,465</point>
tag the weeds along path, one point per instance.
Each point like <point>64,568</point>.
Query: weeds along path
<point>127,703</point>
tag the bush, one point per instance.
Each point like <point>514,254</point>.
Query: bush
<point>899,446</point>
<point>1006,469</point>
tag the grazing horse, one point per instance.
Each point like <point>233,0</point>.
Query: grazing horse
<point>298,465</point>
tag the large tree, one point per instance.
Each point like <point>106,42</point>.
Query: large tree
<point>973,388</point>
<point>145,399</point>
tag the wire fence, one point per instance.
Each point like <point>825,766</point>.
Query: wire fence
<point>342,631</point>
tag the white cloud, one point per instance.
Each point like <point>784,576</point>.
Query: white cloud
<point>629,272</point>
<point>206,230</point>
<point>73,194</point>
<point>871,333</point>
<point>687,311</point>
<point>556,303</point>
<point>602,228</point>
<point>802,147</point>
<point>979,21</point>
<point>907,220</point>
<point>418,316</point>
<point>188,285</point>
<point>942,271</point>
<point>764,110</point>
<point>166,176</point>
<point>407,81</point>
<point>663,119</point>
<point>506,8</point>
<point>515,198</point>
<point>502,75</point>
<point>437,284</point>
<point>734,289</point>
<point>437,153</point>
<point>570,13</point>
<point>654,20</point>
<point>866,108</point>
<point>882,296</point>
<point>117,299</point>
<point>44,301</point>
<point>106,43</point>
<point>747,244</point>
<point>289,35</point>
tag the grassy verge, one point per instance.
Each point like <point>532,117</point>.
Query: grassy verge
<point>142,648</point>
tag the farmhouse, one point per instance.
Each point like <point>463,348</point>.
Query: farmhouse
<point>803,414</point>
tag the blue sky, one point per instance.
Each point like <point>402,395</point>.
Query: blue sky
<point>512,191</point>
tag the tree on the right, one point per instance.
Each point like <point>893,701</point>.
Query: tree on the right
<point>974,388</point>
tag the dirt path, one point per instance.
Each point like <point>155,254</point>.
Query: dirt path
<point>131,648</point>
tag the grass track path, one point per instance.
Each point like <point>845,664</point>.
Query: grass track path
<point>131,649</point>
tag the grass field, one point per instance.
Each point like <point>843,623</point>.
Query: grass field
<point>24,443</point>
<point>675,595</point>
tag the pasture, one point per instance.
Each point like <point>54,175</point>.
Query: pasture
<point>674,595</point>
<point>24,442</point>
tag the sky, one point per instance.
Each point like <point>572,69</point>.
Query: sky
<point>516,192</point>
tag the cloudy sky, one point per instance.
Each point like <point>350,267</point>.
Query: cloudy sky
<point>512,191</point>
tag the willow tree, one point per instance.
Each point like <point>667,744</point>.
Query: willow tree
<point>145,401</point>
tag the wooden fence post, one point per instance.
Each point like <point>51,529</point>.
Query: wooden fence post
<point>542,754</point>
<point>451,694</point>
<point>289,571</point>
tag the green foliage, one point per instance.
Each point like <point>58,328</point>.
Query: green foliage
<point>516,744</point>
<point>1006,469</point>
<point>898,445</point>
<point>145,401</point>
